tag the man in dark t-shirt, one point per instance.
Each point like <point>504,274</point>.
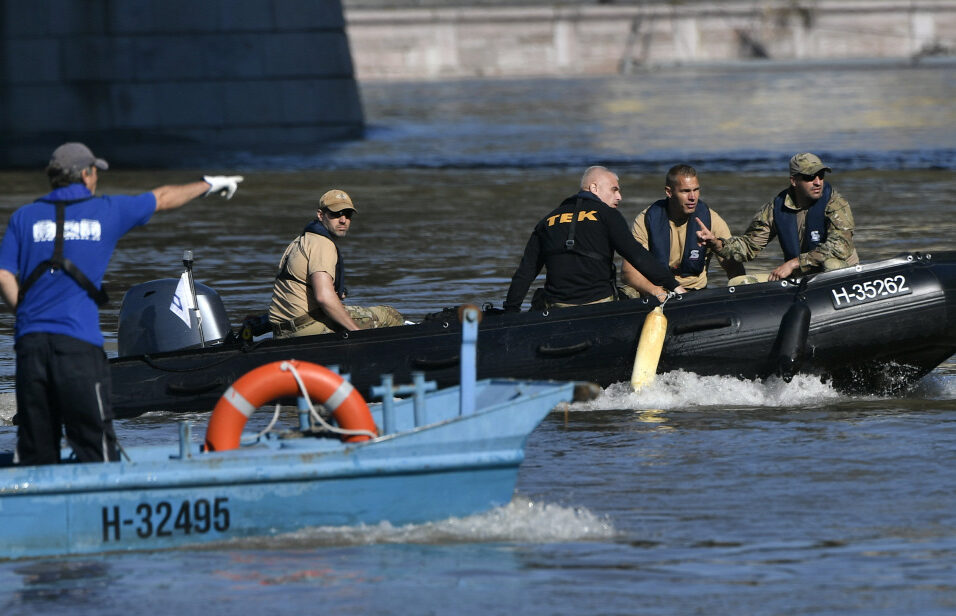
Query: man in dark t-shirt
<point>576,243</point>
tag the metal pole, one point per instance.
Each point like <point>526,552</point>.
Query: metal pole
<point>469,364</point>
<point>188,263</point>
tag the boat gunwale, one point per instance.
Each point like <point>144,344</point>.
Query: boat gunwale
<point>232,466</point>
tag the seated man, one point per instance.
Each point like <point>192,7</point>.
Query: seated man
<point>310,286</point>
<point>810,218</point>
<point>576,242</point>
<point>668,228</point>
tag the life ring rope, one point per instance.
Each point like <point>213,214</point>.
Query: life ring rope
<point>334,402</point>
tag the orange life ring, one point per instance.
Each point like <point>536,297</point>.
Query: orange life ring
<point>271,381</point>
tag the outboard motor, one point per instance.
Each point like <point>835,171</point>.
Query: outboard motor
<point>171,314</point>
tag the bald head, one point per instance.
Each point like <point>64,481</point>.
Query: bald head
<point>603,183</point>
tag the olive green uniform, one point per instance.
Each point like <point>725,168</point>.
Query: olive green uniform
<point>834,253</point>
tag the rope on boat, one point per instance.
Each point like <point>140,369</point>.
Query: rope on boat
<point>289,367</point>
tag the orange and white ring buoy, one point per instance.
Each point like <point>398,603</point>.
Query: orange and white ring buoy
<point>271,381</point>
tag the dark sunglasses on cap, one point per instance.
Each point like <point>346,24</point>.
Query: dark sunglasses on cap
<point>346,212</point>
<point>809,178</point>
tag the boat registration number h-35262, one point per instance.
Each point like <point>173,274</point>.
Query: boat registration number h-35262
<point>870,291</point>
<point>165,519</point>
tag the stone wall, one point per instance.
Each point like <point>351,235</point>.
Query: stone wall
<point>574,39</point>
<point>161,81</point>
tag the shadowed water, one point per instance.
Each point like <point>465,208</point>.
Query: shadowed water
<point>699,495</point>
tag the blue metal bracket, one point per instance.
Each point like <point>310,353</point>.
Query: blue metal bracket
<point>185,438</point>
<point>305,421</point>
<point>469,354</point>
<point>388,390</point>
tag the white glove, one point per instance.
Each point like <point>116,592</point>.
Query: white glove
<point>224,185</point>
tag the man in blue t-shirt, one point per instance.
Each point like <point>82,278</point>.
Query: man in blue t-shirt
<point>52,260</point>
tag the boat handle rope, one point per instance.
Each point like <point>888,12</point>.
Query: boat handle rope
<point>290,367</point>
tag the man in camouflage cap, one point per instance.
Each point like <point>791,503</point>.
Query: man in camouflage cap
<point>310,286</point>
<point>812,221</point>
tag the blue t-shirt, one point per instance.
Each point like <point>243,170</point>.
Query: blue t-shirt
<point>55,303</point>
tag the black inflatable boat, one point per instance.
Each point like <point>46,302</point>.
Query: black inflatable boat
<point>875,328</point>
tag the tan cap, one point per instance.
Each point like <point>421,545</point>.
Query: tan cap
<point>807,164</point>
<point>336,200</point>
<point>76,156</point>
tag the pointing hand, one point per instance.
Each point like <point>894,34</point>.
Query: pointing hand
<point>224,185</point>
<point>705,237</point>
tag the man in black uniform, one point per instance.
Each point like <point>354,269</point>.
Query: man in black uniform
<point>577,242</point>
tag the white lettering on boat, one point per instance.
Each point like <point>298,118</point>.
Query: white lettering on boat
<point>870,291</point>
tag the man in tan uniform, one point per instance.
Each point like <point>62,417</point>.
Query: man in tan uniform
<point>812,221</point>
<point>668,229</point>
<point>310,286</point>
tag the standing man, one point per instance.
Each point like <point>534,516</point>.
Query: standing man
<point>310,286</point>
<point>668,228</point>
<point>60,247</point>
<point>810,218</point>
<point>577,242</point>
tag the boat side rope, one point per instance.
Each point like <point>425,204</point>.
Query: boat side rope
<point>272,422</point>
<point>332,403</point>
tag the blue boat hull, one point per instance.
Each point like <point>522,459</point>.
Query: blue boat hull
<point>172,496</point>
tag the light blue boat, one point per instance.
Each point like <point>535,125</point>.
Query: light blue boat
<point>440,454</point>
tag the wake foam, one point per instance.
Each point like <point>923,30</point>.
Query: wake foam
<point>8,407</point>
<point>679,389</point>
<point>521,521</point>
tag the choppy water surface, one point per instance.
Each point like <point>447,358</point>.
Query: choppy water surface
<point>700,495</point>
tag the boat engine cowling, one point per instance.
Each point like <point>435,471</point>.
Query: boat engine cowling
<point>147,324</point>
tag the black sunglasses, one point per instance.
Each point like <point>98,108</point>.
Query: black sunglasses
<point>809,178</point>
<point>347,213</point>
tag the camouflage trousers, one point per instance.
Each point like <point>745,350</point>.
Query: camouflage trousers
<point>365,317</point>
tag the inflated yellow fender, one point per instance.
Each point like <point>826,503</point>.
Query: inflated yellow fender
<point>649,348</point>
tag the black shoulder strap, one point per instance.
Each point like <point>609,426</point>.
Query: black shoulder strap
<point>569,245</point>
<point>58,261</point>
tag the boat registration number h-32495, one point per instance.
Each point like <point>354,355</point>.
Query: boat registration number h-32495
<point>166,519</point>
<point>870,291</point>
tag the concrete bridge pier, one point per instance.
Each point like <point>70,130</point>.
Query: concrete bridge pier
<point>174,82</point>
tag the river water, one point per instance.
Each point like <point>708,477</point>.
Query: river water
<point>700,495</point>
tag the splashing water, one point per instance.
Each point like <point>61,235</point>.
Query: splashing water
<point>520,521</point>
<point>8,407</point>
<point>679,389</point>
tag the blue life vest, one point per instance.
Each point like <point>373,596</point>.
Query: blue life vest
<point>657,222</point>
<point>815,225</point>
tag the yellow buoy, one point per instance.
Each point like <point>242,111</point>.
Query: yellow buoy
<point>649,348</point>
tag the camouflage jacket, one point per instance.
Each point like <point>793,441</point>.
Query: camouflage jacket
<point>838,245</point>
